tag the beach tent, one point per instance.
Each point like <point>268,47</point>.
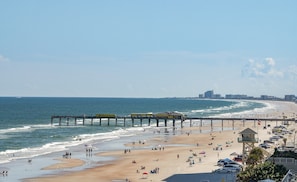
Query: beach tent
<point>234,154</point>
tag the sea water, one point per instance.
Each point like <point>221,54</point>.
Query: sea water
<point>26,131</point>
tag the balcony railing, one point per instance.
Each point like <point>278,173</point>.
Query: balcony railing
<point>252,140</point>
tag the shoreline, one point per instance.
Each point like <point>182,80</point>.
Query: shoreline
<point>8,156</point>
<point>178,144</point>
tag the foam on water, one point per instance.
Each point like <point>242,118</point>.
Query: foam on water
<point>9,155</point>
<point>254,112</point>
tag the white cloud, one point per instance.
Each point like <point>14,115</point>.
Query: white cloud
<point>263,68</point>
<point>270,61</point>
<point>3,59</point>
<point>292,72</point>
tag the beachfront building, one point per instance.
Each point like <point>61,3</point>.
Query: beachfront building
<point>208,94</point>
<point>290,98</point>
<point>248,140</point>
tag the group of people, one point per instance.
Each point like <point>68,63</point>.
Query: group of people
<point>4,173</point>
<point>127,150</point>
<point>159,147</point>
<point>67,155</point>
<point>155,171</point>
<point>89,151</point>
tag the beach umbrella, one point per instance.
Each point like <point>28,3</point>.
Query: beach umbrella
<point>144,175</point>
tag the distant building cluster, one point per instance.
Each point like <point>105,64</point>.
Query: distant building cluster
<point>211,95</point>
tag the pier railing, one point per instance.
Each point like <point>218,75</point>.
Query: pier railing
<point>244,139</point>
<point>159,119</point>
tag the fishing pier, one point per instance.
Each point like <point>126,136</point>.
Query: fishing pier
<point>160,120</point>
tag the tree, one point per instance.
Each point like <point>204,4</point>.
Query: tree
<point>256,170</point>
<point>266,170</point>
<point>255,157</point>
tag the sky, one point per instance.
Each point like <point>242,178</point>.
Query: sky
<point>155,48</point>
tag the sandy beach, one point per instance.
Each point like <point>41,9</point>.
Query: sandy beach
<point>189,151</point>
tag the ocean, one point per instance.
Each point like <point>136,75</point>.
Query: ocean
<point>26,131</point>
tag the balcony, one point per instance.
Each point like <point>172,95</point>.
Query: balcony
<point>246,139</point>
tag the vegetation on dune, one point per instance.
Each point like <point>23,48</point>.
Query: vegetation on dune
<point>266,170</point>
<point>257,170</point>
<point>255,157</point>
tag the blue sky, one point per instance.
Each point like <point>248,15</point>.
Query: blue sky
<point>147,48</point>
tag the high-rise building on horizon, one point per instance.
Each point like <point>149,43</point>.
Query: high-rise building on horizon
<point>208,94</point>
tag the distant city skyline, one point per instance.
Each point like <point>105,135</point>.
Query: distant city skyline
<point>147,48</point>
<point>211,94</point>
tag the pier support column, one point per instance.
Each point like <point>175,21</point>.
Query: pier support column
<point>75,121</point>
<point>149,121</point>
<point>157,122</point>
<point>140,121</point>
<point>132,122</point>
<point>200,122</point>
<point>124,122</point>
<point>116,121</point>
<point>191,123</point>
<point>165,122</point>
<point>84,121</point>
<point>211,125</point>
<point>60,122</point>
<point>108,122</point>
<point>92,122</point>
<point>222,125</point>
<point>173,123</point>
<point>100,122</point>
<point>232,124</point>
